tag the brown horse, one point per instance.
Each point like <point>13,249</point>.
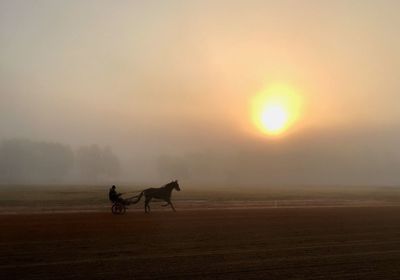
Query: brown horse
<point>163,193</point>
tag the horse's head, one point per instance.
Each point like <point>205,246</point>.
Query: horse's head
<point>176,185</point>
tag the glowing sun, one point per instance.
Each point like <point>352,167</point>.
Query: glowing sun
<point>275,109</point>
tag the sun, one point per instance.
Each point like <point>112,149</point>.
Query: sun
<point>274,118</point>
<point>275,109</point>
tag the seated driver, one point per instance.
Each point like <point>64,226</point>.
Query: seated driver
<point>114,196</point>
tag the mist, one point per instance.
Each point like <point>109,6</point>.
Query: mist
<point>140,92</point>
<point>26,162</point>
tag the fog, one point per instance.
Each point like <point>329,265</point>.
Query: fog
<point>27,162</point>
<point>149,91</point>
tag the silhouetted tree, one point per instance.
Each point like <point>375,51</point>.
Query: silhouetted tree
<point>94,163</point>
<point>26,161</point>
<point>112,166</point>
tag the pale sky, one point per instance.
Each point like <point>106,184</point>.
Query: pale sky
<point>167,85</point>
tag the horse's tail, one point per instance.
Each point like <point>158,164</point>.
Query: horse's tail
<point>137,198</point>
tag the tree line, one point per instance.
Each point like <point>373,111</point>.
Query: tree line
<point>24,161</point>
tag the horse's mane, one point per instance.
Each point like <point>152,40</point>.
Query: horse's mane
<point>168,184</point>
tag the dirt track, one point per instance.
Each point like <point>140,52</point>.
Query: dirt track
<point>315,243</point>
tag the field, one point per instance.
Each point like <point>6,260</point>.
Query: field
<point>245,238</point>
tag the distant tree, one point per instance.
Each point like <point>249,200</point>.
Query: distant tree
<point>112,166</point>
<point>88,162</point>
<point>27,161</point>
<point>96,163</point>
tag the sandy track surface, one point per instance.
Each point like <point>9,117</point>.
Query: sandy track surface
<point>314,243</point>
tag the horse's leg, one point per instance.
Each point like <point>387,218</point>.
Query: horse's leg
<point>166,204</point>
<point>172,206</point>
<point>167,200</point>
<point>147,205</point>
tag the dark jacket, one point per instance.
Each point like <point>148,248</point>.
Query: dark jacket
<point>113,195</point>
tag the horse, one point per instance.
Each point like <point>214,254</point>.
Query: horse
<point>163,193</point>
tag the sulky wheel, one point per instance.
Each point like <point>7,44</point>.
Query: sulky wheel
<point>118,209</point>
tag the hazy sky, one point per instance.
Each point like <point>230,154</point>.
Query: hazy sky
<point>167,84</point>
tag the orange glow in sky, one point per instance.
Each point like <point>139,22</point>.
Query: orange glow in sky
<point>275,109</point>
